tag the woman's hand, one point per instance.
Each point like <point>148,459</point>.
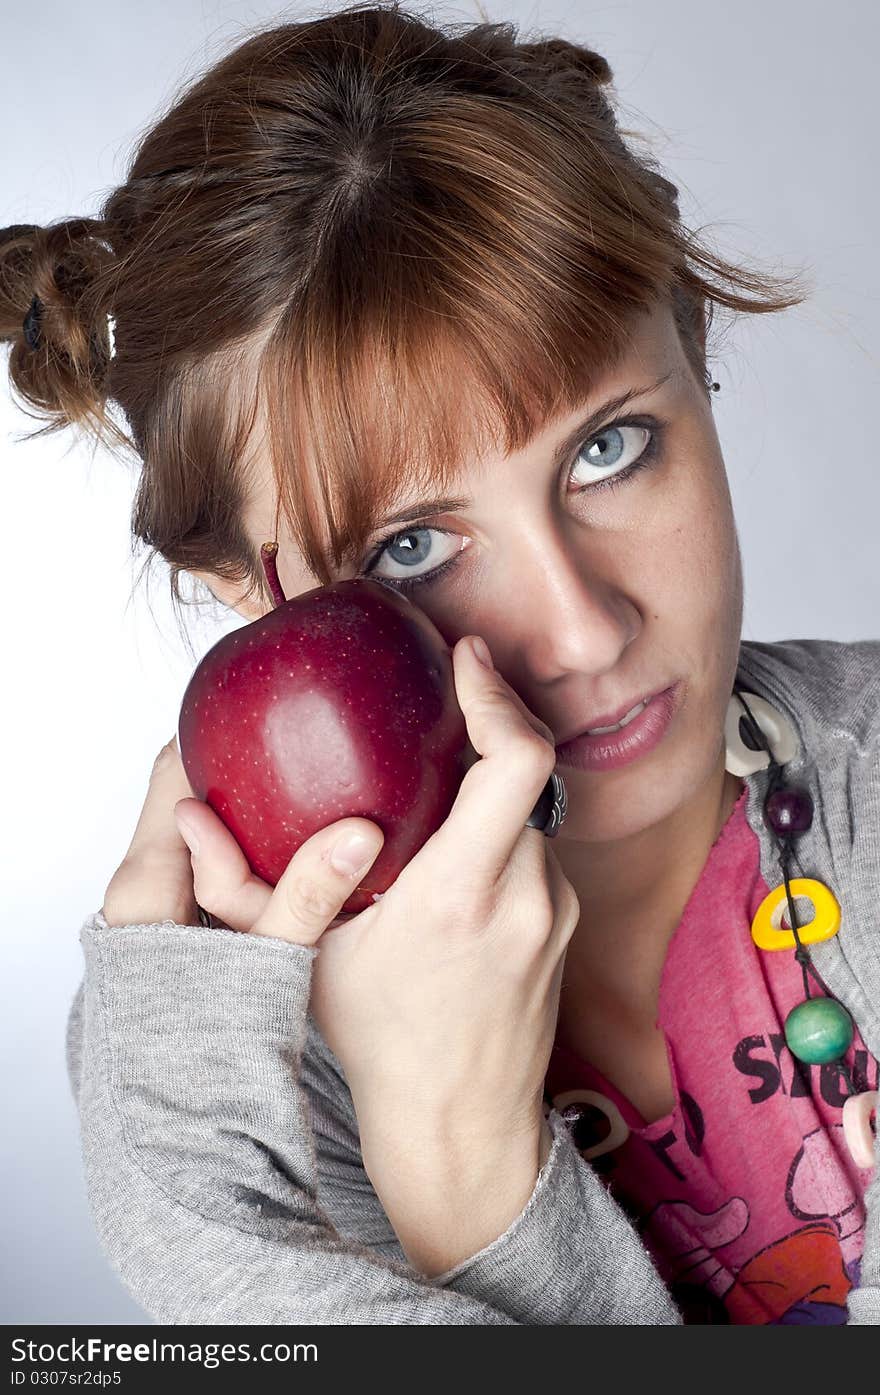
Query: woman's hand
<point>183,856</point>
<point>445,992</point>
<point>440,1001</point>
<point>154,880</point>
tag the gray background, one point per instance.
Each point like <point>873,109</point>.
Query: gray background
<point>766,117</point>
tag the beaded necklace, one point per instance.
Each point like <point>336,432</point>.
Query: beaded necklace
<point>819,1030</point>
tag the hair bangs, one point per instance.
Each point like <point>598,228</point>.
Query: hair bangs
<point>436,328</point>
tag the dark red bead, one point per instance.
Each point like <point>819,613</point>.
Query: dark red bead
<point>789,810</point>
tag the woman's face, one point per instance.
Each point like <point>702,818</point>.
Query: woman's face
<point>590,598</point>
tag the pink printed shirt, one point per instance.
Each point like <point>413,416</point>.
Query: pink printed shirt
<point>746,1194</point>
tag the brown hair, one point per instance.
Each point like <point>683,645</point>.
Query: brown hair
<point>394,243</point>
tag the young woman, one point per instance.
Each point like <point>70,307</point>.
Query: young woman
<point>404,301</point>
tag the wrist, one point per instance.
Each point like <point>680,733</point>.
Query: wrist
<point>448,1196</point>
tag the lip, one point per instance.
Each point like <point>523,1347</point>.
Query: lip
<point>614,749</point>
<point>610,719</point>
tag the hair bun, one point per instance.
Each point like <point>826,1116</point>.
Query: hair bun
<point>53,291</point>
<point>18,246</point>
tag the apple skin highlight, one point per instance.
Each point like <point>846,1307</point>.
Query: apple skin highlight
<point>338,703</point>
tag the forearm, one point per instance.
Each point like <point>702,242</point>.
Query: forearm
<point>447,1202</point>
<point>185,1052</point>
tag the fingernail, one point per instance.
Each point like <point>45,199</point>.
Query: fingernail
<point>481,652</point>
<point>352,854</point>
<point>188,835</point>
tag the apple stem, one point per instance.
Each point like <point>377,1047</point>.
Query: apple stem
<point>268,552</point>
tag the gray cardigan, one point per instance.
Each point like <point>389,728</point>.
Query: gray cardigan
<point>220,1145</point>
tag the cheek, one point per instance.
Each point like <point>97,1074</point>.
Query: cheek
<point>453,618</point>
<point>716,530</point>
<point>691,535</point>
<point>706,575</point>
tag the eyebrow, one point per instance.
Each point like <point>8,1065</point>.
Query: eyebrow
<point>591,424</point>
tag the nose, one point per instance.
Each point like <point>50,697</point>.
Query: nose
<point>567,611</point>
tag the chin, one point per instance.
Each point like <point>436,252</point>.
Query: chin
<point>619,804</point>
<point>606,811</point>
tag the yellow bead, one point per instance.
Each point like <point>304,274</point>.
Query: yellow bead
<point>766,931</point>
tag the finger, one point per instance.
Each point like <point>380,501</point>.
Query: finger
<point>153,881</point>
<point>500,790</point>
<point>565,898</point>
<point>156,831</point>
<point>531,864</point>
<point>226,886</point>
<point>526,713</point>
<point>223,881</point>
<point>315,886</point>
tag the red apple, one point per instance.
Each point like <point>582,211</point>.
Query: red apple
<point>340,702</point>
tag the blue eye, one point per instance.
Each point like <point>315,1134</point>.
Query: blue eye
<point>604,451</point>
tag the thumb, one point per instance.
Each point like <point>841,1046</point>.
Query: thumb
<point>318,880</point>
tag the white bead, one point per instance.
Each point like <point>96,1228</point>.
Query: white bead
<point>857,1130</point>
<point>618,1127</point>
<point>779,731</point>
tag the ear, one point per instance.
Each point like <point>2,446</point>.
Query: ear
<point>228,594</point>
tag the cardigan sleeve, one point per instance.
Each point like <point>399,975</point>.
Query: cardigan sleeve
<point>224,1174</point>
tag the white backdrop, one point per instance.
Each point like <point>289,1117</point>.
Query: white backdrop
<point>766,117</point>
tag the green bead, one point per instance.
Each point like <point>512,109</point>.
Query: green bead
<point>819,1030</point>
